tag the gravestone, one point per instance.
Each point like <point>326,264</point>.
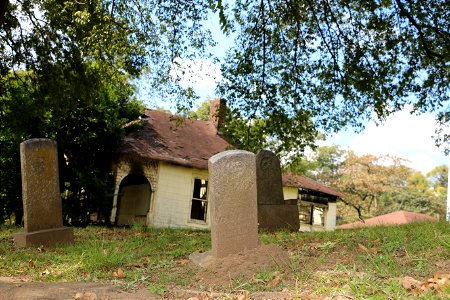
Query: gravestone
<point>232,184</point>
<point>233,207</point>
<point>268,178</point>
<point>273,212</point>
<point>41,198</point>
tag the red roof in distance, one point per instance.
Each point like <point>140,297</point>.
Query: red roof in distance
<point>395,218</point>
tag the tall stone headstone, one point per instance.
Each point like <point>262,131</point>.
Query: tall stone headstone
<point>232,198</point>
<point>41,198</point>
<point>273,212</point>
<point>268,178</point>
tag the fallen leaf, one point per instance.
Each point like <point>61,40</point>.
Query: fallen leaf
<point>401,252</point>
<point>135,265</point>
<point>244,296</point>
<point>367,250</point>
<point>410,283</point>
<point>182,262</point>
<point>119,274</point>
<point>276,279</point>
<point>85,296</point>
<point>46,272</point>
<point>31,263</point>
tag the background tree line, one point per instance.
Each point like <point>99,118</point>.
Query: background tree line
<point>374,185</point>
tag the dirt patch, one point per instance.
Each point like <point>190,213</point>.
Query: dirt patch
<point>243,265</point>
<point>16,289</point>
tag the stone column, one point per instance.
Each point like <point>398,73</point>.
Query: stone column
<point>41,198</point>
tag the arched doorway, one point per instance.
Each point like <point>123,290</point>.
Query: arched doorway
<point>134,200</point>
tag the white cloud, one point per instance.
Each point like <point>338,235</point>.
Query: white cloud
<point>403,135</point>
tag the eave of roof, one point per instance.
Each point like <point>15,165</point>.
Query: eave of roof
<point>303,182</point>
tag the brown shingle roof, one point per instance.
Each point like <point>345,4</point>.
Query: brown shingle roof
<point>189,144</point>
<point>306,183</point>
<point>394,218</point>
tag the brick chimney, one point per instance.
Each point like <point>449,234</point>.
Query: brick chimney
<point>217,113</point>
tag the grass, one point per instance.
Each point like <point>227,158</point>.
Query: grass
<point>364,263</point>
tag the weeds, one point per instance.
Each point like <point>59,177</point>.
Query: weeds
<point>364,263</point>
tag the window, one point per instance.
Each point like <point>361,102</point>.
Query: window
<point>199,205</point>
<point>312,213</point>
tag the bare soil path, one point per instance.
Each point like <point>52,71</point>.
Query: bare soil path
<point>17,289</point>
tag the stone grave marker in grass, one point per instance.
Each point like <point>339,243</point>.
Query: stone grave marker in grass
<point>41,198</point>
<point>273,212</point>
<point>234,216</point>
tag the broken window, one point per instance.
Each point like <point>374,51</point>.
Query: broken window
<point>311,213</point>
<point>199,205</point>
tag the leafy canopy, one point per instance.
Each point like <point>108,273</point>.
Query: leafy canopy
<point>66,71</point>
<point>339,62</point>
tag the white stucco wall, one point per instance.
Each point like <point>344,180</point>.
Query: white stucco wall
<point>172,200</point>
<point>290,192</point>
<point>330,218</point>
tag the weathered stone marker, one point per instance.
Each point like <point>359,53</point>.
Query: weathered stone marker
<point>232,196</point>
<point>268,177</point>
<point>273,212</point>
<point>41,198</point>
<point>233,207</point>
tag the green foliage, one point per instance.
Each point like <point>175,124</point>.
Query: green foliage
<point>374,185</point>
<point>279,133</point>
<point>340,62</point>
<point>70,93</point>
<point>411,199</point>
<point>283,134</point>
<point>202,112</point>
<point>438,177</point>
<point>66,69</point>
<point>322,165</point>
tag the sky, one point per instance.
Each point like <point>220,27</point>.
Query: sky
<point>402,134</point>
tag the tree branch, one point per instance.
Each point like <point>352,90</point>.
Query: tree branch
<point>3,7</point>
<point>423,41</point>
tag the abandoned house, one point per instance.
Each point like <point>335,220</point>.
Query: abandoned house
<point>161,173</point>
<point>316,202</point>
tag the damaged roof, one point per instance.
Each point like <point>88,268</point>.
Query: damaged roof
<point>308,184</point>
<point>174,139</point>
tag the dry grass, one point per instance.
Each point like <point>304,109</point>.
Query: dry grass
<point>358,264</point>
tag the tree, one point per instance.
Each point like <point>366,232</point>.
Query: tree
<point>438,177</point>
<point>340,62</point>
<point>323,164</point>
<point>363,180</point>
<point>290,137</point>
<point>420,194</point>
<point>66,69</point>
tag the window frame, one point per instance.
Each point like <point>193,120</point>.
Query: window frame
<point>205,200</point>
